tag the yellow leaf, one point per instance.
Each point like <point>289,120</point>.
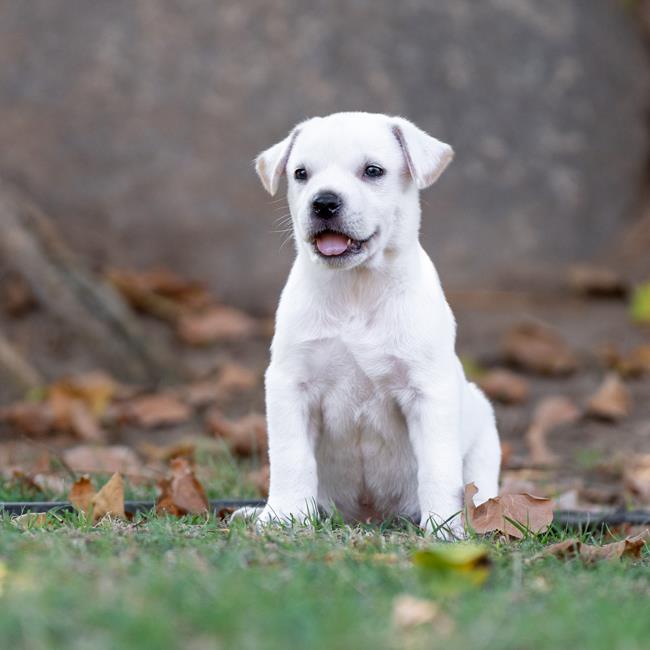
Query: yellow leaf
<point>470,562</point>
<point>640,305</point>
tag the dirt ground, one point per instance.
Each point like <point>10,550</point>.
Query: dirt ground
<point>590,453</point>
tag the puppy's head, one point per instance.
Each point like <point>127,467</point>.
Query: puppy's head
<point>353,181</point>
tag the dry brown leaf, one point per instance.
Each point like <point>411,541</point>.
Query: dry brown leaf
<point>29,418</point>
<point>538,349</point>
<point>244,436</point>
<point>91,459</point>
<point>612,400</point>
<point>550,413</point>
<point>533,513</point>
<point>636,477</point>
<point>152,411</point>
<point>217,324</point>
<point>235,378</point>
<point>630,547</point>
<point>95,389</point>
<point>160,292</point>
<point>17,297</point>
<point>504,386</point>
<point>259,479</point>
<point>81,494</point>
<point>181,493</point>
<point>596,281</point>
<point>110,499</point>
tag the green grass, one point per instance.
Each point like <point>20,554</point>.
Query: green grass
<point>197,583</point>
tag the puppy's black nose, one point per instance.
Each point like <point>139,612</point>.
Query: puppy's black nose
<point>326,204</point>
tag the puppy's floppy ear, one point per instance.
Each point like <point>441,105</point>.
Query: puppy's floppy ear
<point>271,164</point>
<point>425,156</point>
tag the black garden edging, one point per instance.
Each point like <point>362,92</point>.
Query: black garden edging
<point>562,518</point>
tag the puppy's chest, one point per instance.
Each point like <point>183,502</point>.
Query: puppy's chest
<point>354,381</point>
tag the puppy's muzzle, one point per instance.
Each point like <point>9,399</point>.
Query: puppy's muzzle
<point>326,205</point>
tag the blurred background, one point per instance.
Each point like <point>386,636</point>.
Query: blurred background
<point>135,237</point>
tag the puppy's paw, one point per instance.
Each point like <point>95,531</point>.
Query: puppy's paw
<point>450,529</point>
<point>293,515</point>
<point>248,514</point>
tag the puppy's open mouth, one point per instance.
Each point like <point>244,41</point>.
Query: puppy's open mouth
<point>330,243</point>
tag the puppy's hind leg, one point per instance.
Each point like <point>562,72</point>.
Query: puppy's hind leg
<point>482,461</point>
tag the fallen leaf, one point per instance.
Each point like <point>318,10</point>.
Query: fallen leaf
<point>612,400</point>
<point>636,477</point>
<point>181,493</point>
<point>81,494</point>
<point>232,379</point>
<point>17,297</point>
<point>30,418</point>
<point>596,281</point>
<point>504,386</point>
<point>640,304</point>
<point>549,414</point>
<point>217,324</point>
<point>30,520</point>
<point>410,612</point>
<point>160,292</point>
<point>498,514</point>
<point>185,448</point>
<point>91,459</point>
<point>259,479</point>
<point>95,389</point>
<point>630,547</point>
<point>245,436</point>
<point>454,566</point>
<point>637,362</point>
<point>110,499</point>
<point>153,411</point>
<point>235,378</point>
<point>538,349</point>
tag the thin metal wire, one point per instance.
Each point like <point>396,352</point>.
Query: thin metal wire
<point>562,518</point>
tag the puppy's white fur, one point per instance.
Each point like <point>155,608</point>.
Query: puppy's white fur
<point>368,408</point>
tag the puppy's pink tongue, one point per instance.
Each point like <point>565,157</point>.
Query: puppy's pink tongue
<point>331,243</point>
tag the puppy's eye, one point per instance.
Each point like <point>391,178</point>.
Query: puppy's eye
<point>373,171</point>
<point>300,174</point>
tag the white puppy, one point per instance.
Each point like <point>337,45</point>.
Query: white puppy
<point>369,410</point>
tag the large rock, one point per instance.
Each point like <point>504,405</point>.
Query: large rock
<point>135,123</point>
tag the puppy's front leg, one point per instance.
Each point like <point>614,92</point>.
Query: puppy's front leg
<point>433,423</point>
<point>293,489</point>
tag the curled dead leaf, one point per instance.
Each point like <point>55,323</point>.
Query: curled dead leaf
<point>30,418</point>
<point>81,494</point>
<point>159,292</point>
<point>110,499</point>
<point>504,386</point>
<point>549,414</point>
<point>232,379</point>
<point>91,459</point>
<point>636,477</point>
<point>181,493</point>
<point>153,411</point>
<point>217,324</point>
<point>630,547</point>
<point>596,281</point>
<point>508,514</point>
<point>538,349</point>
<point>244,436</point>
<point>612,400</point>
